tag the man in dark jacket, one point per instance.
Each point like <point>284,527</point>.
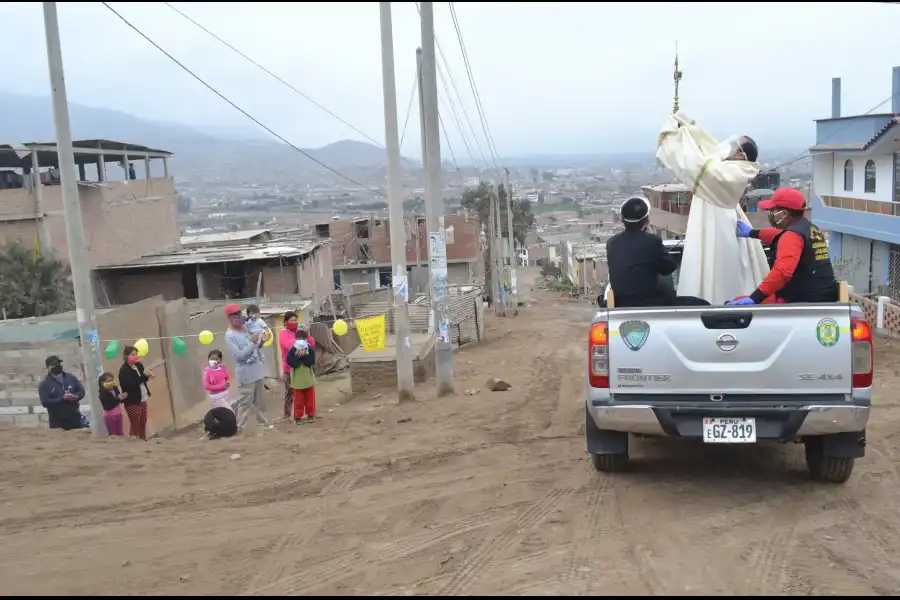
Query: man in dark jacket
<point>60,392</point>
<point>638,261</point>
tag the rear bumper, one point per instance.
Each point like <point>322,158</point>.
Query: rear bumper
<point>771,423</point>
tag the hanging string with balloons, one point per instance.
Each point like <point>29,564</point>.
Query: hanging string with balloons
<point>372,335</point>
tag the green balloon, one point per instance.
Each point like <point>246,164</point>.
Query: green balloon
<point>112,350</point>
<point>179,346</point>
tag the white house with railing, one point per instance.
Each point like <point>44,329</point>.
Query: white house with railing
<point>856,193</point>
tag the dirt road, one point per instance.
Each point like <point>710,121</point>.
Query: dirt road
<point>489,493</point>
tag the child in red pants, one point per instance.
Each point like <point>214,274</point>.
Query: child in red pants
<point>301,359</point>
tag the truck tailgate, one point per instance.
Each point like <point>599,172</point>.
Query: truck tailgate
<point>779,349</point>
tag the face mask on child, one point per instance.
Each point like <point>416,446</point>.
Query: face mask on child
<point>252,318</point>
<point>109,385</point>
<point>214,364</point>
<point>301,344</point>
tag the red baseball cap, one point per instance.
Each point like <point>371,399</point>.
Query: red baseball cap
<point>788,198</point>
<point>232,309</point>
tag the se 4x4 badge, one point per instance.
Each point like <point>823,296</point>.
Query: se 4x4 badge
<point>634,334</point>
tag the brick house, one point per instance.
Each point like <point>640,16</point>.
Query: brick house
<point>124,216</point>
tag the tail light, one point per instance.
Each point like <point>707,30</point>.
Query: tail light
<point>598,355</point>
<point>862,352</point>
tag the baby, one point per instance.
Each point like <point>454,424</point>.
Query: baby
<point>255,324</point>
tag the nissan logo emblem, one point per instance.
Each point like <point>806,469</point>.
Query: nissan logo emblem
<point>726,342</point>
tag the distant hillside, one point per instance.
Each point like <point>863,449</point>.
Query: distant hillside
<point>30,119</point>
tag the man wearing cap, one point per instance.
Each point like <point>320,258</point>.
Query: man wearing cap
<point>249,367</point>
<point>637,259</point>
<point>801,268</point>
<point>60,393</point>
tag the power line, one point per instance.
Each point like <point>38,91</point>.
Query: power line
<point>462,104</point>
<point>238,108</point>
<point>462,46</point>
<point>805,153</point>
<point>412,96</point>
<point>276,77</point>
<point>456,121</point>
<point>450,148</point>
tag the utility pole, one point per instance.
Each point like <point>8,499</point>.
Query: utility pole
<point>78,257</point>
<point>434,206</point>
<point>492,257</point>
<point>496,240</point>
<point>513,294</point>
<point>399,281</point>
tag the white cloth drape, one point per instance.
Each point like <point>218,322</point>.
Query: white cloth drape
<point>716,265</point>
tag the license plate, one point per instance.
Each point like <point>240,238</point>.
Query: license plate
<point>729,431</point>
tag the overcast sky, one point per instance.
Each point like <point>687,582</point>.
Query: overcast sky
<point>553,77</point>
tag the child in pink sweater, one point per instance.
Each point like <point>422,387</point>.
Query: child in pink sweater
<point>216,380</point>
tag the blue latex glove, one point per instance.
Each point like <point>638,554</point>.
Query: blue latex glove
<point>743,229</point>
<point>741,302</point>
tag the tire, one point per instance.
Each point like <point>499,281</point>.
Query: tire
<point>827,468</point>
<point>609,463</point>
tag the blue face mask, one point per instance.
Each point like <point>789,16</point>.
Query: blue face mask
<point>238,321</point>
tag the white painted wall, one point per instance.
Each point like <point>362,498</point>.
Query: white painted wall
<point>855,265</point>
<point>884,176</point>
<point>823,175</point>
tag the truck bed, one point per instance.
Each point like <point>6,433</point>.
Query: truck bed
<point>778,350</point>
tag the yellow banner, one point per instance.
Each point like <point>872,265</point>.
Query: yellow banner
<point>372,333</point>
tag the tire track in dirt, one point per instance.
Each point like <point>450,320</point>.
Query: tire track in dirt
<point>578,569</point>
<point>881,543</point>
<point>337,568</point>
<point>466,576</point>
<point>259,492</point>
<point>341,482</point>
<point>640,554</point>
<point>769,560</point>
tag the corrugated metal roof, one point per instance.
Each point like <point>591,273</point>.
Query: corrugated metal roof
<point>667,187</point>
<point>242,252</point>
<point>224,236</point>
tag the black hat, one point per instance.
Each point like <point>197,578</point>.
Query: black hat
<point>52,361</point>
<point>635,209</point>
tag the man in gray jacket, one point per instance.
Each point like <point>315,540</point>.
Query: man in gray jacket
<point>249,368</point>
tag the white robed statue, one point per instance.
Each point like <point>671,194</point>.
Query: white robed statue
<point>716,265</point>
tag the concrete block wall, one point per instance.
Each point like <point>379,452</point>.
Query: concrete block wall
<point>21,371</point>
<point>380,375</point>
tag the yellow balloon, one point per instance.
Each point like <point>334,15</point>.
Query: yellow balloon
<point>142,347</point>
<point>340,327</point>
<point>206,337</point>
<point>271,339</point>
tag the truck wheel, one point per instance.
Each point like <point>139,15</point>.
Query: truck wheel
<point>610,463</point>
<point>827,468</point>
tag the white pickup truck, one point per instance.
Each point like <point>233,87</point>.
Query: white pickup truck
<point>732,375</point>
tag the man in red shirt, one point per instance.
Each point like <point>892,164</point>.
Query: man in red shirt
<point>800,266</point>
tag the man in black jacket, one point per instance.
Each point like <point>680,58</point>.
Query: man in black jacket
<point>60,392</point>
<point>638,260</point>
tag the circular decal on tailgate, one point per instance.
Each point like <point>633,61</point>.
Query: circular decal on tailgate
<point>827,332</point>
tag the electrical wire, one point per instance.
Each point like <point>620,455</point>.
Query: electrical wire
<point>412,96</point>
<point>462,104</point>
<point>492,147</point>
<point>278,79</point>
<point>806,153</point>
<point>238,108</point>
<point>455,116</point>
